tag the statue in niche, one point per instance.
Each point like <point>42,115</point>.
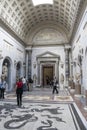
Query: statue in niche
<point>4,71</point>
<point>78,77</point>
<point>62,78</point>
<point>34,80</point>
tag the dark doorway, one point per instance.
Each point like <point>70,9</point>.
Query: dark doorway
<point>47,75</point>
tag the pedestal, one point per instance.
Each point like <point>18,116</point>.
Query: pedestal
<point>78,88</point>
<point>86,96</point>
<point>72,85</point>
<point>85,108</point>
<point>30,86</point>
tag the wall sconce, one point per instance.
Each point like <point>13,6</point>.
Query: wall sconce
<point>71,62</point>
<point>34,65</point>
<point>24,64</point>
<point>80,57</point>
<point>15,63</point>
<point>75,62</point>
<point>1,57</point>
<point>61,64</point>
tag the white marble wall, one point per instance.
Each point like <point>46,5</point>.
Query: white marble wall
<point>13,50</point>
<point>80,42</point>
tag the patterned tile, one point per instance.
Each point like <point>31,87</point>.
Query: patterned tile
<point>38,116</point>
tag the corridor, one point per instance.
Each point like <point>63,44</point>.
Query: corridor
<point>41,40</point>
<point>41,110</point>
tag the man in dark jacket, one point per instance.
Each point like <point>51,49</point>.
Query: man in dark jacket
<point>55,86</point>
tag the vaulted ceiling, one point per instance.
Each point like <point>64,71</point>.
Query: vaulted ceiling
<point>21,16</point>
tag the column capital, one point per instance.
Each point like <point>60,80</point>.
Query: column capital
<point>1,57</point>
<point>67,47</point>
<point>28,49</point>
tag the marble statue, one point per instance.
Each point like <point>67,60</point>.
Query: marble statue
<point>62,78</point>
<point>5,70</point>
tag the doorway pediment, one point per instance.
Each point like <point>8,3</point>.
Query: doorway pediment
<point>48,54</point>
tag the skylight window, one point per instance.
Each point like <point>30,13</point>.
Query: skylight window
<point>38,2</point>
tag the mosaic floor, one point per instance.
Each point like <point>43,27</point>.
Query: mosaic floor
<point>38,116</point>
<point>43,98</point>
<point>41,110</point>
<point>63,96</point>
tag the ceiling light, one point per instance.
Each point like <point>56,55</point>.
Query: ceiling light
<point>38,2</point>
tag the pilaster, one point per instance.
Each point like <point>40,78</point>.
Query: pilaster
<point>67,68</point>
<point>28,63</point>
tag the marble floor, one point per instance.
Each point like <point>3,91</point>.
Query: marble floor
<point>41,110</point>
<point>80,102</point>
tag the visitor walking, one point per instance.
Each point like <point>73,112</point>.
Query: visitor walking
<point>19,92</point>
<point>2,88</point>
<point>55,86</point>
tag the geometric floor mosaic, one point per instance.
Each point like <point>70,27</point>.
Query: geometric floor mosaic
<point>38,116</point>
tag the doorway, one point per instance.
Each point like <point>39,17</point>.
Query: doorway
<point>47,75</point>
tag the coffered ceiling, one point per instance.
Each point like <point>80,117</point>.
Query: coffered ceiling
<point>21,16</point>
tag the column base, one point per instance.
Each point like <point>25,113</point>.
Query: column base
<point>78,95</point>
<point>77,89</point>
<point>85,108</point>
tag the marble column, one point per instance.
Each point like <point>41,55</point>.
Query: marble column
<point>67,71</point>
<point>85,107</point>
<point>38,72</point>
<point>28,64</point>
<point>57,70</point>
